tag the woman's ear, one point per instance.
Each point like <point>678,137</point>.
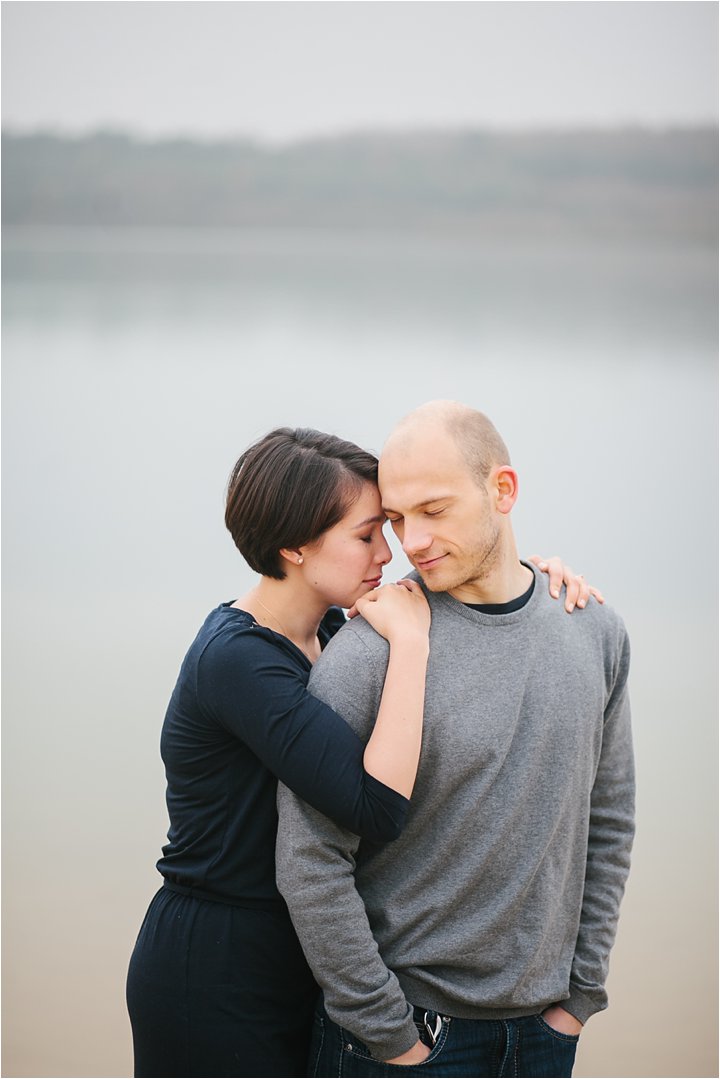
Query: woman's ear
<point>292,555</point>
<point>506,488</point>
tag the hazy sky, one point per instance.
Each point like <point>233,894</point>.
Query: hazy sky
<point>286,70</point>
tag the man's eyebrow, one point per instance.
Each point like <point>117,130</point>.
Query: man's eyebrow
<point>370,521</point>
<point>419,505</point>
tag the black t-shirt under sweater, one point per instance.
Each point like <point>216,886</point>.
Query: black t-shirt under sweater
<point>241,717</point>
<point>504,608</point>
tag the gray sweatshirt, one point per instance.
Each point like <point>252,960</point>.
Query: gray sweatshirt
<point>502,894</point>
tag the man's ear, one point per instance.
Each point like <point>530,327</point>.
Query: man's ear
<point>505,483</point>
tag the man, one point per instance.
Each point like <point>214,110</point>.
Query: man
<point>478,942</point>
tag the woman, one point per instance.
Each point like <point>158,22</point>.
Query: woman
<point>218,985</point>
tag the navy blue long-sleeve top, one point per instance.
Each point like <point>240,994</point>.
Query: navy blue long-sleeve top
<point>239,719</point>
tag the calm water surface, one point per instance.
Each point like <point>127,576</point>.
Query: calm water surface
<point>138,365</point>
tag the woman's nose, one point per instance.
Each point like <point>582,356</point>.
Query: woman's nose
<point>384,554</point>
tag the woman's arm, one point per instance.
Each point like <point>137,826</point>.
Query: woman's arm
<point>252,687</point>
<point>400,613</point>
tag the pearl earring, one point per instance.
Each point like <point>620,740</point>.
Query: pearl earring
<point>300,560</point>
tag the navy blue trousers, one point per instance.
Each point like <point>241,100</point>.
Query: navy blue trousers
<point>525,1047</point>
<point>218,990</point>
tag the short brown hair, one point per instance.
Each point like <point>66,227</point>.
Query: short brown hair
<point>288,488</point>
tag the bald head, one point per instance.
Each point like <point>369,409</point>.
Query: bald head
<point>476,438</point>
<point>448,488</point>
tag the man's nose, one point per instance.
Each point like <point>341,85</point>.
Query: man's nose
<point>415,539</point>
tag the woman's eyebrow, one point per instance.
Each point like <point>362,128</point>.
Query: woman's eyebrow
<point>370,521</point>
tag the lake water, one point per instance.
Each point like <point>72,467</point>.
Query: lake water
<point>136,367</point>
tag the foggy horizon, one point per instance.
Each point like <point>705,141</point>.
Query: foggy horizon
<point>347,133</point>
<point>655,185</point>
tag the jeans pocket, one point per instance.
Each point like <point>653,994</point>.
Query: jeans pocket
<point>557,1034</point>
<point>357,1059</point>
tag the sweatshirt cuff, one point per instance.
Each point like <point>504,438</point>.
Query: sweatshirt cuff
<point>399,1043</point>
<point>580,1005</point>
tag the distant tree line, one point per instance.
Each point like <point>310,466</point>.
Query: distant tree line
<point>618,182</point>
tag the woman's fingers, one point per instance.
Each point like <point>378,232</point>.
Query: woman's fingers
<point>395,609</point>
<point>573,596</point>
<point>555,571</point>
<point>577,590</point>
<point>412,586</point>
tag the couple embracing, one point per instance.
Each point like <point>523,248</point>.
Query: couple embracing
<point>434,884</point>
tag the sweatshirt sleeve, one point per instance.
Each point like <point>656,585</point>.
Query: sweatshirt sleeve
<point>257,692</point>
<point>315,863</point>
<point>610,837</point>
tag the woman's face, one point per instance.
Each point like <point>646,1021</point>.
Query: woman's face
<point>348,559</point>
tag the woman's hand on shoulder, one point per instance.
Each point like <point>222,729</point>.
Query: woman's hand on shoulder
<point>577,590</point>
<point>395,610</point>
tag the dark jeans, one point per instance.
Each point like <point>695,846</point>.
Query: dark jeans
<point>525,1047</point>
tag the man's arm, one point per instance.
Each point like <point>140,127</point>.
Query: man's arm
<point>609,844</point>
<point>315,873</point>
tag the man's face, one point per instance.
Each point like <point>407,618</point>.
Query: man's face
<point>444,519</point>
